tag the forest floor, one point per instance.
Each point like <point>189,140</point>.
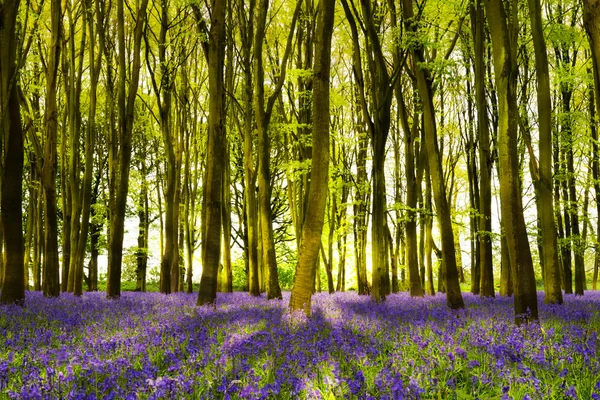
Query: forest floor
<point>149,345</point>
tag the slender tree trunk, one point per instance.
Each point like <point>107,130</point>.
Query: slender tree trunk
<point>315,214</point>
<point>591,16</point>
<point>143,225</point>
<point>51,265</point>
<point>213,189</point>
<point>410,226</point>
<point>361,204</point>
<point>504,54</point>
<point>485,155</point>
<point>453,294</point>
<point>79,245</point>
<point>250,173</point>
<point>263,117</point>
<point>120,166</point>
<point>551,270</point>
<point>226,219</point>
<point>429,237</point>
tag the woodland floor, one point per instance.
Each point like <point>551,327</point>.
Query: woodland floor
<point>148,345</point>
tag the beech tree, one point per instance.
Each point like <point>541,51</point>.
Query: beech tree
<point>121,144</point>
<point>502,31</point>
<point>11,132</point>
<point>214,52</point>
<point>310,243</point>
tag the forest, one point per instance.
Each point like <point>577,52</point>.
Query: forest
<point>377,148</point>
<point>432,165</point>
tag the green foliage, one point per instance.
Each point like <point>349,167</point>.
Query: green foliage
<point>238,268</point>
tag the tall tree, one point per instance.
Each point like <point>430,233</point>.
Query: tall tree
<point>11,173</point>
<point>505,65</point>
<point>591,16</point>
<point>122,142</point>
<point>214,51</point>
<point>424,84</point>
<point>263,113</point>
<point>310,242</point>
<point>545,205</point>
<point>51,265</point>
<point>163,89</point>
<point>485,155</point>
<point>79,242</point>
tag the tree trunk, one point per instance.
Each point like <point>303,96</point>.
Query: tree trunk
<point>250,173</point>
<point>410,135</point>
<point>213,189</point>
<point>226,220</point>
<point>51,265</point>
<point>315,214</point>
<point>453,294</point>
<point>120,165</point>
<point>485,155</point>
<point>591,16</point>
<point>13,285</point>
<point>553,294</point>
<point>504,55</point>
<point>143,225</point>
<point>263,117</point>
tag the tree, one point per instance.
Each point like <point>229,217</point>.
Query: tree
<point>214,52</point>
<point>163,83</point>
<point>505,67</point>
<point>263,113</point>
<point>485,156</point>
<point>591,16</point>
<point>424,84</point>
<point>310,242</point>
<point>120,152</point>
<point>51,266</point>
<point>79,242</point>
<point>11,139</point>
<point>545,205</point>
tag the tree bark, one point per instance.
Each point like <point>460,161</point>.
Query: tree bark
<point>504,55</point>
<point>317,197</point>
<point>453,294</point>
<point>553,294</point>
<point>263,118</point>
<point>213,193</point>
<point>11,131</point>
<point>120,166</point>
<point>51,265</point>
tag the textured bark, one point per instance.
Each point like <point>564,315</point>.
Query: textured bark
<point>11,131</point>
<point>315,214</point>
<point>504,55</point>
<point>213,193</point>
